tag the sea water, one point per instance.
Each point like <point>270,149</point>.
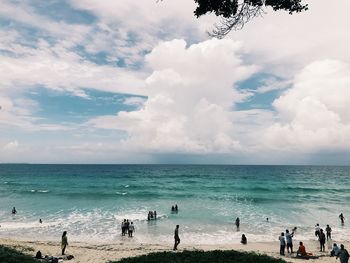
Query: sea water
<point>90,201</point>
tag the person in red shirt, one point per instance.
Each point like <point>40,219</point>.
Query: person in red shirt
<point>302,251</point>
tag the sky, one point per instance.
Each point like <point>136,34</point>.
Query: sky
<point>120,81</point>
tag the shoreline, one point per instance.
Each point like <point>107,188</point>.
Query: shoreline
<point>102,253</point>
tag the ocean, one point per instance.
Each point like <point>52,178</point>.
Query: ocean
<point>90,201</point>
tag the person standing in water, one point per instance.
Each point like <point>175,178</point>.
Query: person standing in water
<point>14,211</point>
<point>329,232</point>
<point>176,237</point>
<point>237,223</point>
<point>131,229</point>
<point>64,242</point>
<point>341,216</point>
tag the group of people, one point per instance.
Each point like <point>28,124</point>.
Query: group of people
<point>151,215</point>
<point>286,240</point>
<point>127,227</point>
<point>174,208</point>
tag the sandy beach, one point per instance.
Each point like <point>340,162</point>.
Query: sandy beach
<point>102,253</point>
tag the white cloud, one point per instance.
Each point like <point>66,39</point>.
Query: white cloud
<point>272,84</point>
<point>11,146</point>
<point>23,13</point>
<point>314,113</point>
<point>18,113</point>
<point>135,101</point>
<point>127,29</point>
<point>56,67</point>
<point>285,43</point>
<point>190,96</point>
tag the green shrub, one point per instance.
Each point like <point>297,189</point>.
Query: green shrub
<point>10,255</point>
<point>216,256</point>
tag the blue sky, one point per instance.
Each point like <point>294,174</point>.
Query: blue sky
<point>122,82</point>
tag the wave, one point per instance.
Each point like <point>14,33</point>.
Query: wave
<point>39,191</point>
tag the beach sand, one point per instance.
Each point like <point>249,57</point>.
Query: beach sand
<point>102,253</point>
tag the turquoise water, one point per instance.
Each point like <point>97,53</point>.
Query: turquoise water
<point>89,201</point>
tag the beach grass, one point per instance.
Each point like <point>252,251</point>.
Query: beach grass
<point>216,256</point>
<point>12,255</point>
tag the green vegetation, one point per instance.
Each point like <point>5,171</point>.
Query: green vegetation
<point>11,255</point>
<point>217,256</point>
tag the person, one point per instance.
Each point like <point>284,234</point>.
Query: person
<point>317,230</point>
<point>40,221</point>
<point>289,239</point>
<point>237,223</point>
<point>176,208</point>
<point>149,216</point>
<point>267,219</point>
<point>123,225</point>
<point>176,237</point>
<point>343,254</point>
<point>341,216</point>
<point>302,251</point>
<point>294,230</point>
<point>244,239</point>
<point>38,255</point>
<point>172,208</point>
<point>329,232</point>
<point>14,211</point>
<point>335,250</point>
<point>322,239</point>
<point>282,243</point>
<point>127,226</point>
<point>131,229</point>
<point>64,242</point>
<point>155,214</point>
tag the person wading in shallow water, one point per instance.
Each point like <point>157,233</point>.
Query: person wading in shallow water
<point>237,223</point>
<point>341,216</point>
<point>176,237</point>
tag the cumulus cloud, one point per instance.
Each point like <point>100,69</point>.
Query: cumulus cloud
<point>190,97</point>
<point>314,113</point>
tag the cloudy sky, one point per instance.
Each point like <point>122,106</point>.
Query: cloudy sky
<point>120,81</point>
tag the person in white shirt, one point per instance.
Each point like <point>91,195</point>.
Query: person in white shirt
<point>131,229</point>
<point>282,243</point>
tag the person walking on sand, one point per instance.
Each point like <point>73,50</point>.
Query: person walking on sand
<point>64,242</point>
<point>282,244</point>
<point>322,239</point>
<point>289,238</point>
<point>176,237</point>
<point>341,216</point>
<point>329,232</point>
<point>343,255</point>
